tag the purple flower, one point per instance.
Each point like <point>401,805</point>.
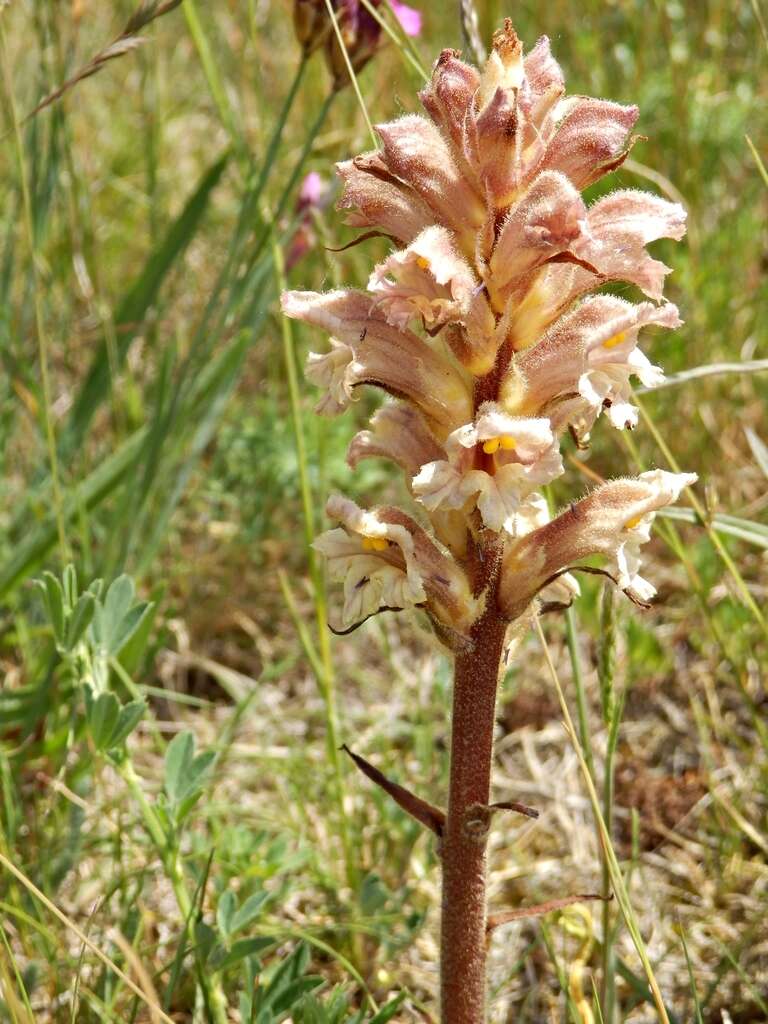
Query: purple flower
<point>409,18</point>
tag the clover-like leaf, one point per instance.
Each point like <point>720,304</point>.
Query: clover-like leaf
<point>102,714</point>
<point>248,912</point>
<point>184,773</point>
<point>225,912</point>
<point>53,599</point>
<point>79,620</point>
<point>129,717</point>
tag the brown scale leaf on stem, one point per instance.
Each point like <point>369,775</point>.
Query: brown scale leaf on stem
<point>505,916</point>
<point>514,805</point>
<point>422,811</point>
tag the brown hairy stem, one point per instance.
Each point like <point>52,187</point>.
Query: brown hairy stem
<point>463,937</point>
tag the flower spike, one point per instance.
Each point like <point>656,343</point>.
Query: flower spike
<point>486,326</point>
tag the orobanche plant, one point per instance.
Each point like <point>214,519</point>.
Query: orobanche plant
<point>485,329</point>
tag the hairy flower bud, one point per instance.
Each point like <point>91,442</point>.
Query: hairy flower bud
<point>614,521</point>
<point>310,24</point>
<point>360,35</point>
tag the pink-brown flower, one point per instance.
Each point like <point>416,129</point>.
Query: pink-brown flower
<point>613,521</point>
<point>485,325</point>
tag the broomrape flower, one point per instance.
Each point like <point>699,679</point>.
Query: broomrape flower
<point>517,455</point>
<point>483,326</point>
<point>385,559</point>
<point>486,329</point>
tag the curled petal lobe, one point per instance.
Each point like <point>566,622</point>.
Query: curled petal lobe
<point>376,201</point>
<point>428,279</point>
<point>620,226</point>
<point>416,152</point>
<point>614,521</point>
<point>333,371</point>
<point>385,559</point>
<point>438,484</point>
<point>374,560</point>
<point>585,361</point>
<point>510,439</point>
<point>643,215</point>
<point>591,140</point>
<point>396,360</point>
<point>399,433</point>
<point>493,464</point>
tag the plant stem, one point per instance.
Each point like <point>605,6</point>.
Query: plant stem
<point>463,939</point>
<point>174,871</point>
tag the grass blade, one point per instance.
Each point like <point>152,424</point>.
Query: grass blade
<point>140,297</point>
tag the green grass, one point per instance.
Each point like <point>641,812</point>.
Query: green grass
<point>150,428</point>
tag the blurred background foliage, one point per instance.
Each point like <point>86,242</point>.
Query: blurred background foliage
<point>149,429</point>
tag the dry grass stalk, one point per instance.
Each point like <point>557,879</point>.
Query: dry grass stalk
<point>127,41</point>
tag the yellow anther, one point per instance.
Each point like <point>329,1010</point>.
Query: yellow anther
<point>615,340</point>
<point>632,523</point>
<point>374,544</point>
<point>505,441</point>
<point>422,262</point>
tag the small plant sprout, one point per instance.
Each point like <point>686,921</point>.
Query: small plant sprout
<point>485,329</point>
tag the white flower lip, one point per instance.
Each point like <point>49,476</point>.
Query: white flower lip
<point>520,455</point>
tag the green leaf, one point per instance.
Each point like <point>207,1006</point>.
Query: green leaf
<point>289,971</point>
<point>79,620</point>
<point>69,585</point>
<point>373,893</point>
<point>133,649</point>
<point>103,715</point>
<point>241,949</point>
<point>185,805</point>
<point>225,911</point>
<point>249,911</point>
<point>386,1013</point>
<point>205,939</point>
<point>117,618</point>
<point>130,314</point>
<point>130,625</point>
<point>184,773</point>
<point>293,992</point>
<point>178,761</point>
<point>199,768</point>
<point>54,604</point>
<point>119,599</point>
<point>129,717</point>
